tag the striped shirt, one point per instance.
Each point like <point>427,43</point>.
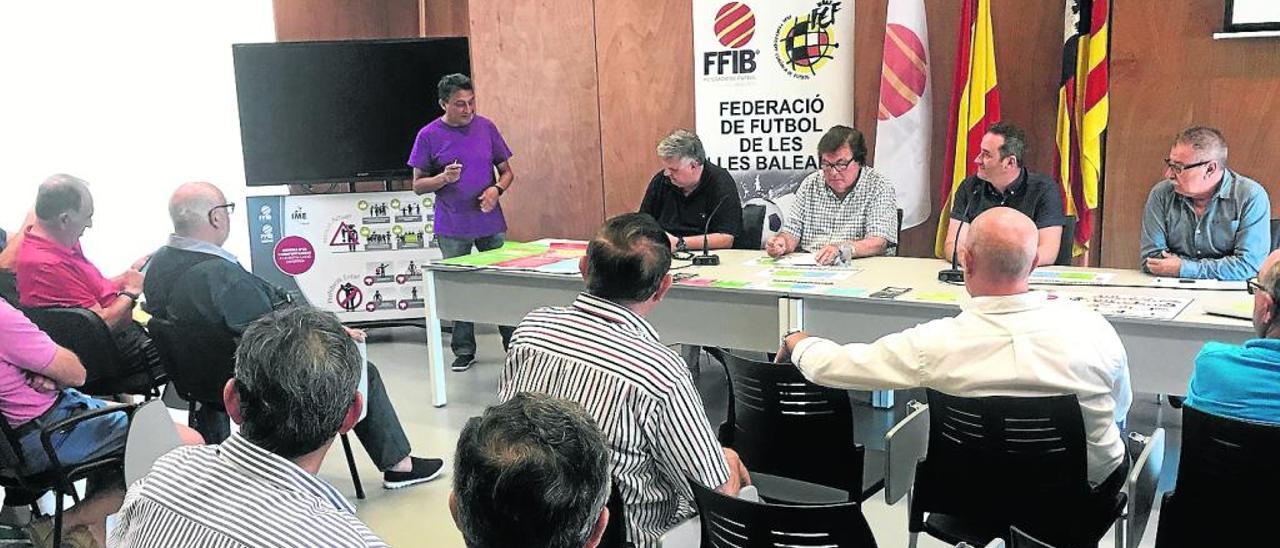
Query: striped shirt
<point>609,360</point>
<point>817,217</point>
<point>235,494</point>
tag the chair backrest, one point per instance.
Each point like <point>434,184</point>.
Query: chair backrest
<point>752,228</point>
<point>1067,244</point>
<point>892,249</point>
<point>904,447</point>
<point>9,287</point>
<point>1143,482</point>
<point>1002,460</point>
<point>615,532</point>
<point>1275,234</point>
<point>1224,466</point>
<point>84,333</point>
<point>730,522</point>
<point>784,425</point>
<point>198,360</point>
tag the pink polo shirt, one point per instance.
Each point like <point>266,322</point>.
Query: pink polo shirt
<point>51,274</point>
<point>24,348</point>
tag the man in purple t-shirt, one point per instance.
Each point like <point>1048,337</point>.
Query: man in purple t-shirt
<point>455,157</point>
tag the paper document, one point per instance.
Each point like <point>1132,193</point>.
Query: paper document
<point>1082,277</point>
<point>1184,283</point>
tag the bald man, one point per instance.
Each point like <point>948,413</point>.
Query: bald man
<point>194,282</point>
<point>1243,381</point>
<point>1007,341</point>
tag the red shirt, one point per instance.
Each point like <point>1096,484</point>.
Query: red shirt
<point>51,274</point>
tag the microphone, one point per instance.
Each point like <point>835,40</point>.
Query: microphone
<point>706,259</point>
<point>955,274</point>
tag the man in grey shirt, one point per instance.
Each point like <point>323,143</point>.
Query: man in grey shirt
<point>1204,220</point>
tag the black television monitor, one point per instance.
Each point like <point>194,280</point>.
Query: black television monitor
<point>313,112</point>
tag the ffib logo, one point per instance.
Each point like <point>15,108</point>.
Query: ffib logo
<point>735,25</point>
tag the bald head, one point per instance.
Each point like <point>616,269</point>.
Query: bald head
<point>1264,302</point>
<point>1001,247</point>
<point>60,193</point>
<point>190,205</point>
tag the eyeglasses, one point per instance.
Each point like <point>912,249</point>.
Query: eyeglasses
<point>1253,286</point>
<point>837,166</point>
<point>1176,169</point>
<point>230,207</point>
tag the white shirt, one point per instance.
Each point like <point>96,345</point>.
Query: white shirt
<point>1019,345</point>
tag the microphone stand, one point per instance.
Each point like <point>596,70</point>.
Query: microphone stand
<point>955,274</point>
<point>707,259</point>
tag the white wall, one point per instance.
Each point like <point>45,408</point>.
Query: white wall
<point>135,97</point>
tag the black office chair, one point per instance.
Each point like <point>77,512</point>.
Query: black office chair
<point>752,228</point>
<point>9,287</point>
<point>23,487</point>
<point>615,531</point>
<point>787,429</point>
<point>996,462</point>
<point>84,333</point>
<point>1275,234</point>
<point>200,361</point>
<point>1020,539</point>
<point>730,522</point>
<point>892,248</point>
<point>1067,243</point>
<point>1226,472</point>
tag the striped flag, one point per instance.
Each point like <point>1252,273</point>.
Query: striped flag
<point>975,103</point>
<point>906,118</point>
<point>1082,112</point>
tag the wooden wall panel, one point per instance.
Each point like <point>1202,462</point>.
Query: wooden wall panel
<point>534,66</point>
<point>644,52</point>
<point>445,17</point>
<point>345,19</point>
<point>1167,73</point>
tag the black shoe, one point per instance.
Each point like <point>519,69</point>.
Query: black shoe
<point>463,362</point>
<point>424,470</point>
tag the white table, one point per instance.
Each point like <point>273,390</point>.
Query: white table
<point>1160,352</point>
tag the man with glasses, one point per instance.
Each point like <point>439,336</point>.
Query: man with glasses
<point>1002,179</point>
<point>691,196</point>
<point>52,270</point>
<point>194,282</point>
<point>1204,220</point>
<point>844,210</point>
<point>1243,382</point>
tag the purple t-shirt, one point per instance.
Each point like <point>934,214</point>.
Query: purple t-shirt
<point>478,147</point>
<point>24,348</point>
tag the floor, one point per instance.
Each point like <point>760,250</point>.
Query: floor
<point>419,516</point>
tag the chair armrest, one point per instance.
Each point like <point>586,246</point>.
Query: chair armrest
<point>47,432</point>
<point>686,534</point>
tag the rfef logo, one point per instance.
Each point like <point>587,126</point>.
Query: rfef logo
<point>734,26</point>
<point>805,43</point>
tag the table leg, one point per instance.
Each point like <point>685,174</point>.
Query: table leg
<point>435,344</point>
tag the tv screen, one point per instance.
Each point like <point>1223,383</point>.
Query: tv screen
<point>338,111</point>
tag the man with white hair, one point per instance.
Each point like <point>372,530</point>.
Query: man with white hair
<point>194,282</point>
<point>1204,220</point>
<point>1007,341</point>
<point>691,196</point>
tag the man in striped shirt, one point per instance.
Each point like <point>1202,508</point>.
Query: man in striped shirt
<point>601,353</point>
<point>294,390</point>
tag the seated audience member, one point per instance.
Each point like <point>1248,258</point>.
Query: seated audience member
<point>1243,381</point>
<point>842,211</point>
<point>690,196</point>
<point>532,472</point>
<point>1003,180</point>
<point>294,390</point>
<point>194,282</point>
<point>9,248</point>
<point>1204,220</point>
<point>53,271</point>
<point>1007,341</point>
<point>37,380</point>
<point>601,353</point>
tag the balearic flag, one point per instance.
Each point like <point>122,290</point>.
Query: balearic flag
<point>975,104</point>
<point>1082,112</point>
<point>904,130</point>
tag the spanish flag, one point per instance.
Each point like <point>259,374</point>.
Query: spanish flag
<point>1082,112</point>
<point>975,103</point>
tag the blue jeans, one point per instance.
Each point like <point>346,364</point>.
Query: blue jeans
<point>463,341</point>
<point>93,437</point>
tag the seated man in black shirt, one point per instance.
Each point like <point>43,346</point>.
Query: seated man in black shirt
<point>689,190</point>
<point>1002,180</point>
<point>194,282</point>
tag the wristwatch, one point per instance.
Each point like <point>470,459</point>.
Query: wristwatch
<point>785,336</point>
<point>500,189</point>
<point>132,296</point>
